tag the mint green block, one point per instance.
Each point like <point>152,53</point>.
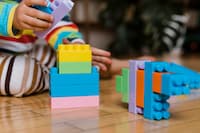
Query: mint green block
<point>74,67</point>
<point>122,84</point>
<point>118,83</point>
<point>125,85</point>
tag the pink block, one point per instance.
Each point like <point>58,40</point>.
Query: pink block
<point>74,102</point>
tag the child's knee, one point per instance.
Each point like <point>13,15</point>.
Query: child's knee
<point>22,76</point>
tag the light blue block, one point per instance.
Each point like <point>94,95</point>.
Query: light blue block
<point>74,79</point>
<point>194,76</point>
<point>72,91</point>
<point>175,84</point>
<point>155,105</point>
<point>175,68</point>
<point>74,84</point>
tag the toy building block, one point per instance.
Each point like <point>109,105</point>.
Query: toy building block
<point>69,85</point>
<point>152,83</point>
<point>74,53</point>
<point>122,84</point>
<point>175,84</point>
<point>119,84</point>
<point>58,9</point>
<point>155,105</point>
<point>134,65</point>
<point>74,102</point>
<point>74,67</point>
<point>195,77</point>
<point>157,82</point>
<point>66,33</point>
<point>175,68</point>
<point>140,89</point>
<point>74,58</point>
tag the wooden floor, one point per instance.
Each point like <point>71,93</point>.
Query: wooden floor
<point>33,114</point>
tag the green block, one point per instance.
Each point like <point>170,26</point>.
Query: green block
<point>74,67</point>
<point>118,83</point>
<point>125,85</point>
<point>122,85</point>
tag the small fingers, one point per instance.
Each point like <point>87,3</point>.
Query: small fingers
<point>100,52</point>
<point>35,2</point>
<point>101,65</point>
<point>30,27</point>
<point>39,15</point>
<point>36,22</point>
<point>101,59</point>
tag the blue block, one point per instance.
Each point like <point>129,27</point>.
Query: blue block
<point>155,105</point>
<point>175,84</point>
<point>46,9</point>
<point>72,91</point>
<point>159,67</point>
<point>74,84</point>
<point>175,68</point>
<point>70,35</point>
<point>194,82</point>
<point>194,76</point>
<point>74,79</point>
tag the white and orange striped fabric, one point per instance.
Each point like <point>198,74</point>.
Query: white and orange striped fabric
<point>26,73</point>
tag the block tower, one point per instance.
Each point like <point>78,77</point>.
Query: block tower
<point>74,82</point>
<point>146,86</point>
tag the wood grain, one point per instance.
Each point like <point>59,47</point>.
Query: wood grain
<point>33,114</point>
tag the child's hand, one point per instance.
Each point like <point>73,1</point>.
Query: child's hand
<point>29,18</point>
<point>101,58</point>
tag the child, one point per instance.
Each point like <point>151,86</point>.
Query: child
<point>24,66</point>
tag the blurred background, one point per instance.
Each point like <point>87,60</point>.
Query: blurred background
<point>140,27</point>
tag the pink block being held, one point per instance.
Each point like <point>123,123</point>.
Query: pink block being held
<point>74,102</point>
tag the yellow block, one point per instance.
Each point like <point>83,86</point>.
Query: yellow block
<point>74,53</point>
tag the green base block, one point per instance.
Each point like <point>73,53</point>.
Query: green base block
<point>74,67</point>
<point>118,83</point>
<point>122,85</point>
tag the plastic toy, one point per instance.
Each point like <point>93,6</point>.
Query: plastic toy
<point>74,58</point>
<point>74,87</point>
<point>58,9</point>
<point>151,84</point>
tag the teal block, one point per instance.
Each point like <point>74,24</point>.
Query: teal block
<point>74,84</point>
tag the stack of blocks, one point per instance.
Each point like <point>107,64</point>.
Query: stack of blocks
<point>146,86</point>
<point>74,82</point>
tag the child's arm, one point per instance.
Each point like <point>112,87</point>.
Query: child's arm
<point>15,17</point>
<point>64,32</point>
<point>7,10</point>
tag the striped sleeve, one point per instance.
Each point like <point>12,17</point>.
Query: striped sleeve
<point>64,30</point>
<point>7,11</point>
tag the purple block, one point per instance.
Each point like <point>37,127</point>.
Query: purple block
<point>139,110</point>
<point>134,65</point>
<point>60,9</point>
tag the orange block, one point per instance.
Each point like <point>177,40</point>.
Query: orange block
<point>157,82</point>
<point>140,88</point>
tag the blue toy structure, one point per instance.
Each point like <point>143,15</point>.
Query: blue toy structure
<point>72,90</point>
<point>172,80</point>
